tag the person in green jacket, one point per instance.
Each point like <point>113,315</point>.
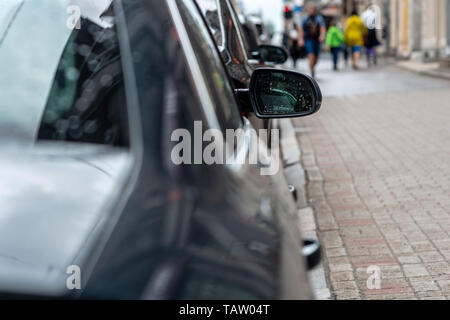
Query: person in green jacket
<point>335,39</point>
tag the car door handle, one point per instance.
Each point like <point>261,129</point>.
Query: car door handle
<point>312,252</point>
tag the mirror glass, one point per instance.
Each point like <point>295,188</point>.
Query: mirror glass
<point>273,54</point>
<point>283,93</point>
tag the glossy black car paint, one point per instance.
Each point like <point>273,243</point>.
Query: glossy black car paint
<point>202,239</point>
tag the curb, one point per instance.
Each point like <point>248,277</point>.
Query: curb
<point>295,175</point>
<point>434,73</point>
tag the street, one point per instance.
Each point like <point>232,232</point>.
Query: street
<point>180,150</point>
<point>377,160</point>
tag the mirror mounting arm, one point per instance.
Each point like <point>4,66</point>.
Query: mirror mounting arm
<point>243,96</point>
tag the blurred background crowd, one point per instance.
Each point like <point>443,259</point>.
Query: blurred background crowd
<point>417,31</point>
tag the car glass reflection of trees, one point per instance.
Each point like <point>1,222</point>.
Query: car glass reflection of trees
<point>87,100</point>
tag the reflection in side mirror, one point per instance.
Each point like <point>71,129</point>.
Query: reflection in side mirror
<point>283,94</point>
<point>272,54</point>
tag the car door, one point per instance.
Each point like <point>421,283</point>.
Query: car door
<point>191,231</point>
<point>186,231</point>
<point>254,223</point>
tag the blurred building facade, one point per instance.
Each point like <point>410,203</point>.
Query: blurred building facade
<point>419,29</point>
<point>413,29</point>
<point>410,29</point>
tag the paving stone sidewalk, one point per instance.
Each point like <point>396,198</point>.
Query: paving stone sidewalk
<point>378,169</point>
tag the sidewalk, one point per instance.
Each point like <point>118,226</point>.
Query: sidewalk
<point>431,69</point>
<point>378,177</point>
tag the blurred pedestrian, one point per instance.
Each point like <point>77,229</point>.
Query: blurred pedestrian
<point>312,34</point>
<point>295,50</point>
<point>345,48</point>
<point>371,41</point>
<point>371,44</point>
<point>355,31</point>
<point>335,39</point>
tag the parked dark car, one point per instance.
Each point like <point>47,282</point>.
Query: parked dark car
<point>260,53</point>
<point>236,52</point>
<point>264,32</point>
<point>253,30</point>
<point>87,177</point>
<point>250,35</point>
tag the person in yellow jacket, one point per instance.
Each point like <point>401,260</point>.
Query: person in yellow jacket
<point>355,31</point>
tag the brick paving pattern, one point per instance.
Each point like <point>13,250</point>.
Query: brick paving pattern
<point>378,168</point>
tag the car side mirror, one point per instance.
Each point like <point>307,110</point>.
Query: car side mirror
<point>283,94</point>
<point>272,54</point>
<point>255,55</point>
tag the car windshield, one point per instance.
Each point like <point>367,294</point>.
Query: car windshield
<point>61,74</point>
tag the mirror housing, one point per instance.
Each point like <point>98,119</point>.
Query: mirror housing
<point>255,55</point>
<point>278,93</point>
<point>272,54</point>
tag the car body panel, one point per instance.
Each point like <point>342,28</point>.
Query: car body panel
<point>51,201</point>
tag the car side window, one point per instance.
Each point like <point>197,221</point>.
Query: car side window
<point>234,41</point>
<point>60,83</point>
<point>87,101</point>
<point>211,12</point>
<point>216,78</point>
<point>218,16</point>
